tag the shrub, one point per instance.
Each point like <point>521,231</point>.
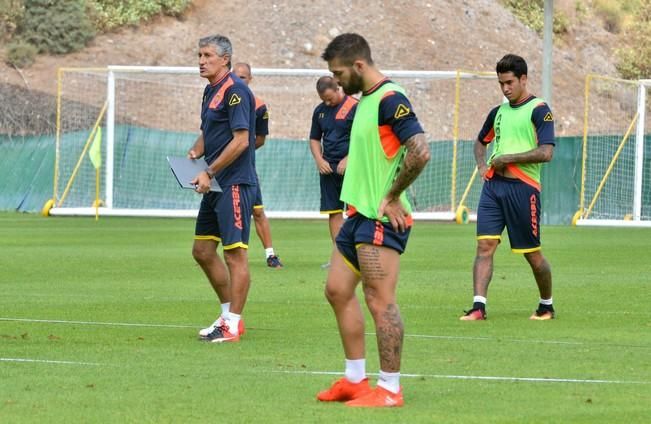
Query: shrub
<point>21,54</point>
<point>111,14</point>
<point>532,14</point>
<point>11,13</point>
<point>611,13</point>
<point>635,59</point>
<point>56,26</point>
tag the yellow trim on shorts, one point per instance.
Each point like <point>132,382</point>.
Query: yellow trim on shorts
<point>533,249</point>
<point>489,238</point>
<point>352,267</point>
<point>258,206</point>
<point>236,245</point>
<point>332,212</point>
<point>214,238</point>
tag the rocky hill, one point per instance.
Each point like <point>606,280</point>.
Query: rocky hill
<point>415,35</point>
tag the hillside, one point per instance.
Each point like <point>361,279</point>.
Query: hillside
<point>418,35</point>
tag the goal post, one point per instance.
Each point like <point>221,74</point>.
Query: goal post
<point>154,112</point>
<point>615,170</point>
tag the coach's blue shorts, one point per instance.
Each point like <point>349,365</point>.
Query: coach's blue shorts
<point>226,217</point>
<point>359,229</point>
<point>330,191</point>
<point>510,203</point>
<point>257,200</point>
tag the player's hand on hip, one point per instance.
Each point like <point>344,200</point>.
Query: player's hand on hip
<point>397,214</point>
<point>483,170</point>
<point>499,163</point>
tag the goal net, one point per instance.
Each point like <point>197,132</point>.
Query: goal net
<point>145,114</point>
<point>616,172</point>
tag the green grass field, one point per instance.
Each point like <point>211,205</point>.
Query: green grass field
<point>98,323</point>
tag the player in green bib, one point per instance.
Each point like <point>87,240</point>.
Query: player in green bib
<point>387,151</point>
<point>522,134</point>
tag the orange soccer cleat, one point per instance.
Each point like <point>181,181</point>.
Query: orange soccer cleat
<point>343,390</point>
<point>543,314</point>
<point>474,315</point>
<point>378,398</point>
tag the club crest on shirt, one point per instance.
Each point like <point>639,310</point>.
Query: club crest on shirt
<point>235,100</point>
<point>266,115</point>
<point>401,111</point>
<point>549,117</point>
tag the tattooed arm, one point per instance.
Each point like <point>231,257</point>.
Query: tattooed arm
<point>417,156</point>
<point>542,153</point>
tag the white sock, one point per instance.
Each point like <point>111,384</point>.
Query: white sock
<point>355,370</point>
<point>480,299</point>
<point>546,301</point>
<point>269,252</point>
<point>226,307</point>
<point>233,322</point>
<point>389,381</point>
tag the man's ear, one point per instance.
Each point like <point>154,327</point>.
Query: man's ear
<point>359,66</point>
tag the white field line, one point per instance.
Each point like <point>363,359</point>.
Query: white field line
<point>415,336</point>
<point>48,361</point>
<point>481,377</point>
<point>111,324</point>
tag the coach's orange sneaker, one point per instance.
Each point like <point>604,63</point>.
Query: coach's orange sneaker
<point>378,398</point>
<point>343,390</point>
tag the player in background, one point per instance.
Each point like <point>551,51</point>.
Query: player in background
<point>227,140</point>
<point>388,150</point>
<point>522,133</point>
<point>262,227</point>
<point>329,139</point>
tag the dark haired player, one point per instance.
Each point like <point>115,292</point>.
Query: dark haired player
<point>522,134</point>
<point>388,150</point>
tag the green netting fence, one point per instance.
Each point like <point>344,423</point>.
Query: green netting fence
<point>287,173</point>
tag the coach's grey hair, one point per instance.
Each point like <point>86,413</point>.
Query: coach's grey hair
<point>222,44</point>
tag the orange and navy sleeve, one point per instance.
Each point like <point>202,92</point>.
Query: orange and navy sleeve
<point>316,132</point>
<point>487,132</point>
<point>543,121</point>
<point>397,116</point>
<point>238,103</point>
<point>261,118</point>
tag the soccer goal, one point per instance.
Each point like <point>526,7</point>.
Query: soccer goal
<point>616,167</point>
<point>141,115</point>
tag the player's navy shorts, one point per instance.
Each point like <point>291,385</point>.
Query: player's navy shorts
<point>257,201</point>
<point>330,191</point>
<point>510,203</point>
<point>226,217</point>
<point>359,229</point>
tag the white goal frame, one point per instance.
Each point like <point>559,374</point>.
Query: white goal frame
<point>582,218</point>
<point>107,209</point>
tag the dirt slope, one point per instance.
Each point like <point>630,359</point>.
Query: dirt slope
<point>418,35</point>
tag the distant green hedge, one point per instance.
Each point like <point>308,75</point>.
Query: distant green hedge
<point>56,26</point>
<point>111,14</point>
<point>59,27</point>
<point>635,60</point>
<point>531,13</point>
